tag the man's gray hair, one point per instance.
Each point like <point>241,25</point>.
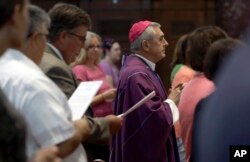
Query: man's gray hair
<point>38,17</point>
<point>146,35</point>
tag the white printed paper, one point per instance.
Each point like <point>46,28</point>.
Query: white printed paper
<point>138,104</point>
<point>82,97</point>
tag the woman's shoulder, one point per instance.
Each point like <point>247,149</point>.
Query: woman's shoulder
<point>80,67</point>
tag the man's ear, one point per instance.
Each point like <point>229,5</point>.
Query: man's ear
<point>12,26</point>
<point>145,45</point>
<point>35,37</point>
<point>62,36</point>
<point>15,16</point>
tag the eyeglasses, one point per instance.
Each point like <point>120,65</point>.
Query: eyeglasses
<point>94,46</point>
<point>44,34</point>
<point>81,38</point>
<point>41,33</point>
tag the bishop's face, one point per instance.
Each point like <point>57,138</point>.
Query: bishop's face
<point>157,45</point>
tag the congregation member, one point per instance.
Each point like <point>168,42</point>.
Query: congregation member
<point>181,73</point>
<point>199,86</point>
<point>12,125</point>
<point>112,57</point>
<point>147,134</point>
<point>13,128</point>
<point>38,99</point>
<point>67,32</point>
<point>87,68</point>
<point>215,148</point>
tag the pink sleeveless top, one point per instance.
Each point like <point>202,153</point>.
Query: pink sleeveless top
<point>84,73</point>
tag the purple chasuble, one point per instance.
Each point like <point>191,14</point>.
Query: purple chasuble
<point>147,134</point>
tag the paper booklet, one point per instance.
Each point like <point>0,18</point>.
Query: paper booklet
<point>82,97</point>
<point>138,104</point>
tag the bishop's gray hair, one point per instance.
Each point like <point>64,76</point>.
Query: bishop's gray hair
<point>146,35</point>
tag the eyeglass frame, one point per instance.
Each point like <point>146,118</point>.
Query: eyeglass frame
<point>94,47</point>
<point>81,38</point>
<point>41,33</point>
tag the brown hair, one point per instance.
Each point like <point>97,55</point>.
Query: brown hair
<point>217,54</point>
<point>7,9</point>
<point>179,55</point>
<point>66,17</point>
<point>198,43</point>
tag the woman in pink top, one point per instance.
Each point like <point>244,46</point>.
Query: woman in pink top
<point>86,68</point>
<point>199,87</point>
<point>181,73</point>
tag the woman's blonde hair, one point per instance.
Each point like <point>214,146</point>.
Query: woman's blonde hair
<point>82,57</point>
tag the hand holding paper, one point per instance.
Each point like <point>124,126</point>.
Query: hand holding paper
<point>138,104</point>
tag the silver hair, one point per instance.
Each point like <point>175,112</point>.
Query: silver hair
<point>146,35</point>
<point>38,17</point>
<point>89,36</point>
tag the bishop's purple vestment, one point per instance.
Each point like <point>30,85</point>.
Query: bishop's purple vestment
<point>147,134</point>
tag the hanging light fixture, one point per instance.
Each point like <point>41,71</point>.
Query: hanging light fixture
<point>115,1</point>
